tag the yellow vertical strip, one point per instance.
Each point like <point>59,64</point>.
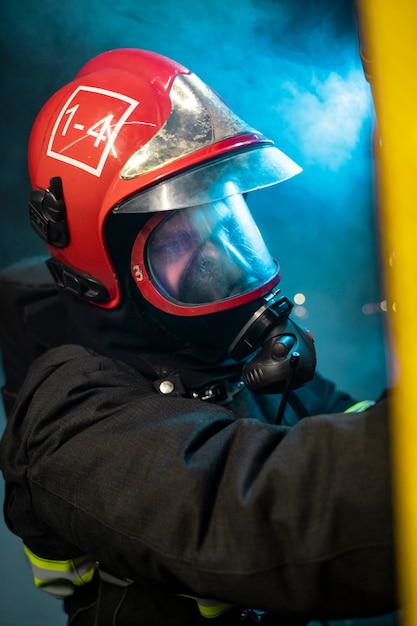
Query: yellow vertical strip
<point>390,37</point>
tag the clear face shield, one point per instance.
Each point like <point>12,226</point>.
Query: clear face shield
<point>209,253</point>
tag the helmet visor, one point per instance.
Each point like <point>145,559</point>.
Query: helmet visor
<point>241,172</point>
<point>208,253</point>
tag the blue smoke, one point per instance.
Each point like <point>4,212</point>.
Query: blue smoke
<point>326,121</point>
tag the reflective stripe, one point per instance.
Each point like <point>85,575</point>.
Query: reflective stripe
<point>209,608</point>
<point>359,407</point>
<point>60,577</point>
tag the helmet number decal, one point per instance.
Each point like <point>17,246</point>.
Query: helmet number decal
<point>137,272</point>
<point>79,138</point>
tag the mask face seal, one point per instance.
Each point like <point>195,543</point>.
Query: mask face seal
<point>203,259</point>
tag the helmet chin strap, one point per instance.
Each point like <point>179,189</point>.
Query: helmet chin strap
<point>284,354</point>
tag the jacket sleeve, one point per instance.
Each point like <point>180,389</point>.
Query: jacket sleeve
<point>181,492</point>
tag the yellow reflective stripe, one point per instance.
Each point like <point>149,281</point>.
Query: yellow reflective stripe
<point>359,407</point>
<point>209,608</point>
<point>58,588</point>
<point>214,609</point>
<point>78,571</point>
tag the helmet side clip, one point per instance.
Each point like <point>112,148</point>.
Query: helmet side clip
<point>78,283</point>
<point>48,215</point>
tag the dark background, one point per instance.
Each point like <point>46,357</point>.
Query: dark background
<point>291,69</point>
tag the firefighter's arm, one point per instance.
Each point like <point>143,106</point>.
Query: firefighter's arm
<point>181,492</point>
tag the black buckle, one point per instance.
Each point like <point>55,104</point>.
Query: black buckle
<point>220,393</point>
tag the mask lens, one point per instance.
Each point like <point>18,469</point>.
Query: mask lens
<point>208,253</point>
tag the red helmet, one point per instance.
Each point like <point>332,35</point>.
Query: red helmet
<point>136,132</point>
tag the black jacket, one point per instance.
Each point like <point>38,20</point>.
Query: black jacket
<point>186,497</point>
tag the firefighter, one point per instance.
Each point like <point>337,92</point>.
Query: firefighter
<point>159,464</point>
